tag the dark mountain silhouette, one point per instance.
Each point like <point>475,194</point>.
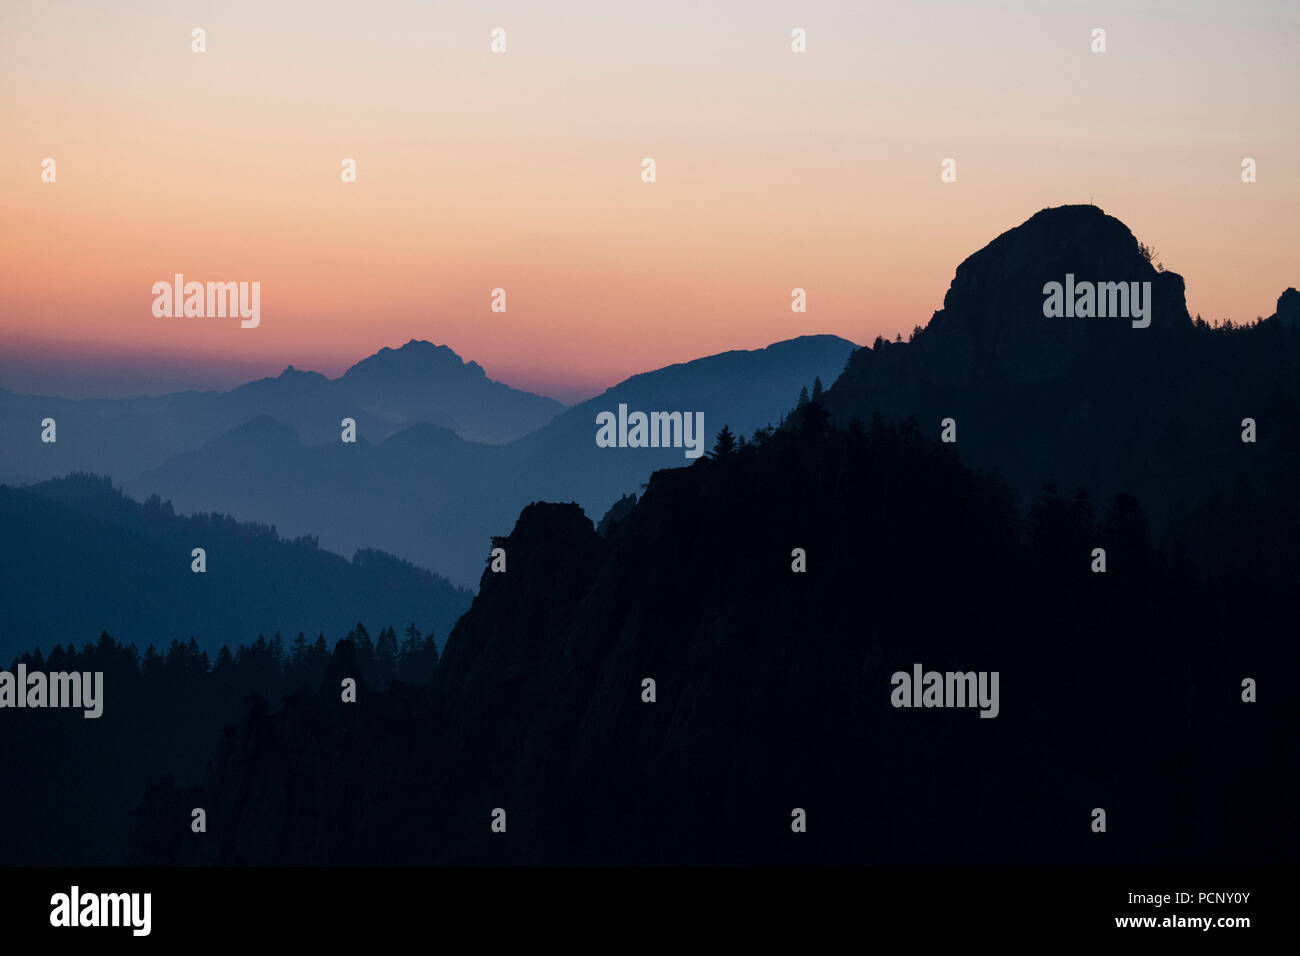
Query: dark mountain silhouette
<point>745,389</point>
<point>385,393</point>
<point>992,327</point>
<point>431,497</point>
<point>78,557</point>
<point>1121,690</point>
<point>1288,309</point>
<point>1090,402</point>
<point>1118,690</point>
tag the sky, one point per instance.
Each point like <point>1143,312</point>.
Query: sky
<point>522,170</point>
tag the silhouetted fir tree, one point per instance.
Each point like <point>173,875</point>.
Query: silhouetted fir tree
<point>811,419</point>
<point>343,664</point>
<point>363,648</point>
<point>725,444</point>
<point>152,664</point>
<point>412,638</point>
<point>385,660</point>
<point>1126,535</point>
<point>419,658</point>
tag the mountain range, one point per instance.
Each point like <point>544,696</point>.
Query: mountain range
<point>384,394</point>
<point>715,657</point>
<point>428,495</point>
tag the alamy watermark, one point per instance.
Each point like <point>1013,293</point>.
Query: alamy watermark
<point>59,689</point>
<point>947,689</point>
<point>653,430</point>
<point>75,908</point>
<point>179,298</point>
<point>1086,300</point>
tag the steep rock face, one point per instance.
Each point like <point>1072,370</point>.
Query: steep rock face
<point>551,558</point>
<point>1288,308</point>
<point>992,326</point>
<point>1084,401</point>
<point>992,330</point>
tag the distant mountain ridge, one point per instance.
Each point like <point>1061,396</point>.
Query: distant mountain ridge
<point>429,496</point>
<point>78,557</point>
<point>384,393</point>
<point>421,382</point>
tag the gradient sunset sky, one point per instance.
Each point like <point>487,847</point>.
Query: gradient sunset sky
<point>522,170</point>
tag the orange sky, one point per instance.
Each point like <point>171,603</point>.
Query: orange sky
<point>522,170</point>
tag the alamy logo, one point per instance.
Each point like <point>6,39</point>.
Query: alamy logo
<point>179,298</point>
<point>103,909</point>
<point>59,689</point>
<point>948,689</point>
<point>1086,300</point>
<point>656,430</point>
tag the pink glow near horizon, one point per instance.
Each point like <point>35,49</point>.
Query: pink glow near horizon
<point>522,171</point>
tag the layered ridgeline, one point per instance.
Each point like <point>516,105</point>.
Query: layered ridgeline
<point>775,694</point>
<point>715,680</point>
<point>385,393</point>
<point>1152,404</point>
<point>430,496</point>
<point>77,557</point>
<point>775,592</point>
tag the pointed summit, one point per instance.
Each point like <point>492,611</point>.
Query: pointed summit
<point>292,374</point>
<point>424,382</point>
<point>416,358</point>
